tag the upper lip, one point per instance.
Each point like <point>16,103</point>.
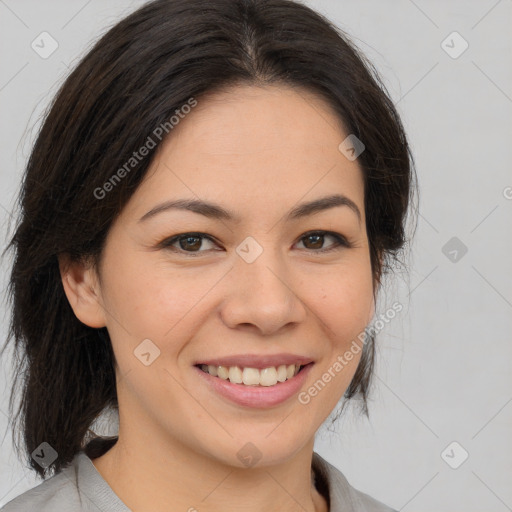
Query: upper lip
<point>257,361</point>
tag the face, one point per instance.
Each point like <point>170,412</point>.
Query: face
<point>264,284</point>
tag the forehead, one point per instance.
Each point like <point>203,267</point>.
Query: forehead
<point>246,120</point>
<point>255,148</point>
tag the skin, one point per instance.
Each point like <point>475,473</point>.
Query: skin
<point>257,152</point>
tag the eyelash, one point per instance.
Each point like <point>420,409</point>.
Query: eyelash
<point>341,242</point>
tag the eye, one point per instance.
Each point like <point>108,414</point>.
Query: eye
<point>317,239</point>
<point>191,243</point>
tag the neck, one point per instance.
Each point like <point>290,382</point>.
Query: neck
<point>149,478</point>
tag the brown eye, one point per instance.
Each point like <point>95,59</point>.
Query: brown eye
<point>188,243</point>
<point>192,243</point>
<point>314,241</point>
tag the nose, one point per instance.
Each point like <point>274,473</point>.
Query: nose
<point>262,296</point>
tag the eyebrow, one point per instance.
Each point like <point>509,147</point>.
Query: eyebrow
<point>215,211</point>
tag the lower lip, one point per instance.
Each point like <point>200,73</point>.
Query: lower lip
<point>257,396</point>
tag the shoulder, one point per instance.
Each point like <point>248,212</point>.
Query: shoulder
<point>342,496</point>
<point>59,493</point>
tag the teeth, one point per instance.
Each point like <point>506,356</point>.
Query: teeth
<point>250,377</point>
<point>253,376</point>
<point>235,375</point>
<point>222,372</point>
<point>268,377</point>
<point>281,373</point>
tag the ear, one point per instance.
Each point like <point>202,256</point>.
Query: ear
<point>82,289</point>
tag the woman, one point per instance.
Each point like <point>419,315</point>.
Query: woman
<point>207,214</point>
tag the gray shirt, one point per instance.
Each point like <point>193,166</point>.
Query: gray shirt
<point>81,488</point>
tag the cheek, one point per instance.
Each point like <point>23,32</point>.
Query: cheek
<point>345,308</point>
<point>345,303</point>
<point>148,298</point>
<point>169,307</point>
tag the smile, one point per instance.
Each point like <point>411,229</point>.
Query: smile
<point>251,387</point>
<point>270,376</point>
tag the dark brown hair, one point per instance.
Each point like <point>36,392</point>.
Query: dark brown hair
<point>132,81</point>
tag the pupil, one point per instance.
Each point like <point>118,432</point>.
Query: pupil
<point>188,238</point>
<point>318,237</point>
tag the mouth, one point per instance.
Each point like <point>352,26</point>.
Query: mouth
<point>255,377</point>
<point>250,387</point>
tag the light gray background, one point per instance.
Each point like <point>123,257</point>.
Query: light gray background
<point>444,367</point>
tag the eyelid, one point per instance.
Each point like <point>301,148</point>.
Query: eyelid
<point>341,242</point>
<point>168,242</point>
